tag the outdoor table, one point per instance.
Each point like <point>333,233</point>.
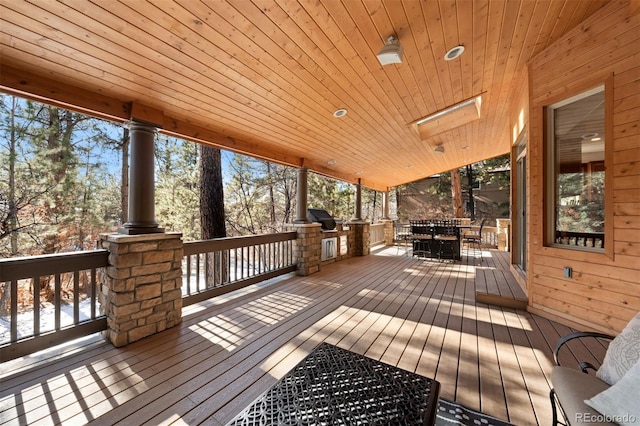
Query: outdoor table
<point>431,246</point>
<point>339,387</point>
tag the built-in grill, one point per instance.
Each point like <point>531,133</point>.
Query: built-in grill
<point>322,217</point>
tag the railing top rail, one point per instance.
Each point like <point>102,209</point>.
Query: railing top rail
<point>218,244</point>
<point>49,264</point>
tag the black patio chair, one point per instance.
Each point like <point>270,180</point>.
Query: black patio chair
<point>474,238</point>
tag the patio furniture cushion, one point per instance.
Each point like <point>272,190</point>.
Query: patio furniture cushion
<point>623,352</point>
<point>572,388</point>
<point>620,401</point>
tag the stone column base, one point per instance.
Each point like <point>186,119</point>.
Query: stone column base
<point>389,232</point>
<point>362,243</point>
<point>308,247</point>
<point>141,288</point>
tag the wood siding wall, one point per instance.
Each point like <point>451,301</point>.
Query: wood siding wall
<point>604,292</point>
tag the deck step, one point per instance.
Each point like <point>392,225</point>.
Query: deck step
<point>504,302</point>
<point>496,285</point>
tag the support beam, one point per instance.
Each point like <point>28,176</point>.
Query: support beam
<point>141,182</point>
<point>385,205</point>
<point>358,215</point>
<point>301,197</point>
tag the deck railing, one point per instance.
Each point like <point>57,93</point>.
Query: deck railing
<point>489,235</point>
<point>58,295</point>
<point>68,284</point>
<point>218,266</point>
<point>376,234</point>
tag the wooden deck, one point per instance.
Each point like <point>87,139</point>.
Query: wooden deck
<point>418,314</point>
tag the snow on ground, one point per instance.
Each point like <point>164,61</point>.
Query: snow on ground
<point>47,319</point>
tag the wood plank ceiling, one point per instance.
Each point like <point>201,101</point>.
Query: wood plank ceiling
<point>263,77</point>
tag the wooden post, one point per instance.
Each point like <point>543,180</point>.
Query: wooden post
<point>358,214</point>
<point>385,205</point>
<point>301,197</point>
<point>141,217</point>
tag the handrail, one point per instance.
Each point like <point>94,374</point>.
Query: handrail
<point>246,260</point>
<point>218,244</point>
<point>49,264</point>
<point>46,327</point>
<point>218,266</point>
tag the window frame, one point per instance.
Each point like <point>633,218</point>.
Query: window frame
<point>549,222</point>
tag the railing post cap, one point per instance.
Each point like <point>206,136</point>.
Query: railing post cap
<point>123,238</point>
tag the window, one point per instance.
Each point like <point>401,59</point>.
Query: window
<point>576,165</point>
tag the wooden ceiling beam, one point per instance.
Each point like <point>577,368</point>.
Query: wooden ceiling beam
<point>39,88</point>
<point>47,90</point>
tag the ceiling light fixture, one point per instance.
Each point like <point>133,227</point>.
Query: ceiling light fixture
<point>331,162</point>
<point>589,135</point>
<point>341,112</point>
<point>391,53</point>
<point>439,149</point>
<point>450,118</point>
<point>477,100</point>
<point>359,173</point>
<point>454,53</point>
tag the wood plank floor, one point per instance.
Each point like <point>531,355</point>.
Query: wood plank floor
<point>418,314</point>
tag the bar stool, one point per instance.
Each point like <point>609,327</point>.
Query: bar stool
<point>421,237</point>
<point>447,237</point>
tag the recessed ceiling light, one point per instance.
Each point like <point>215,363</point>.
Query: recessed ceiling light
<point>439,149</point>
<point>331,162</point>
<point>465,147</point>
<point>408,166</point>
<point>454,53</point>
<point>340,113</point>
<point>359,173</point>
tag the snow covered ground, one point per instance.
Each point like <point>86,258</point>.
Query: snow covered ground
<point>47,319</point>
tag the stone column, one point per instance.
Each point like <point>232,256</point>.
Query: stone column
<point>358,214</point>
<point>301,196</point>
<point>141,288</point>
<point>362,243</point>
<point>141,182</point>
<point>389,232</point>
<point>308,248</point>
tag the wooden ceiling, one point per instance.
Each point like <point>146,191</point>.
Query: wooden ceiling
<point>264,77</point>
